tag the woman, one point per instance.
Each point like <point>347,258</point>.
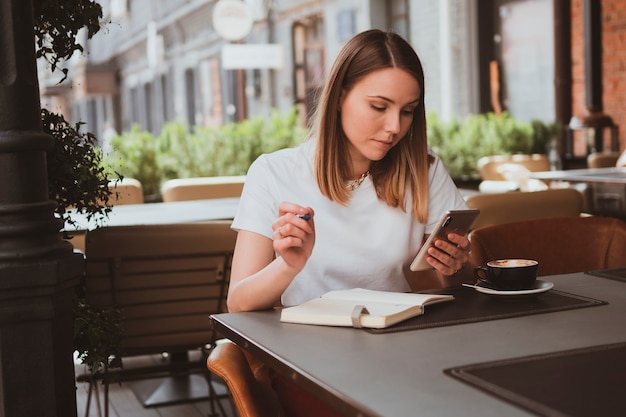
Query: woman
<point>365,179</point>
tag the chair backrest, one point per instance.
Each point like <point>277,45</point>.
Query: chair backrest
<point>165,279</point>
<point>249,385</point>
<point>602,159</point>
<point>560,245</point>
<point>497,208</point>
<point>488,165</point>
<point>259,391</point>
<point>183,189</point>
<point>126,191</point>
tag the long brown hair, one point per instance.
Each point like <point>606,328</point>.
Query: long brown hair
<point>405,167</point>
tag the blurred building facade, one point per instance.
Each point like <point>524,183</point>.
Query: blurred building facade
<point>161,60</point>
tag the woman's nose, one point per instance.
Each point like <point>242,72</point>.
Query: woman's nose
<point>392,123</point>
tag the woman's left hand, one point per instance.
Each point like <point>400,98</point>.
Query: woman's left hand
<point>448,258</point>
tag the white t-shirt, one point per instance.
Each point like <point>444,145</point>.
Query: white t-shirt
<point>366,244</point>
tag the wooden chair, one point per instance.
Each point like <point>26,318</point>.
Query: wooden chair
<point>560,245</point>
<point>258,391</point>
<point>602,159</point>
<point>183,189</point>
<point>497,208</point>
<point>166,280</point>
<point>126,191</point>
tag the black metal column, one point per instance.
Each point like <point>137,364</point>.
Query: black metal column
<point>592,14</point>
<point>38,270</point>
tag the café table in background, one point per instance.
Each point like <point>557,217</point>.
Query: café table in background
<point>161,213</point>
<point>590,175</point>
<point>154,214</point>
<point>402,373</point>
<point>607,187</point>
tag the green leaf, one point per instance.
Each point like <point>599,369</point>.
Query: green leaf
<point>180,152</point>
<point>460,144</point>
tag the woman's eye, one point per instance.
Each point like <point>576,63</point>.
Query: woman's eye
<point>378,108</point>
<point>408,112</point>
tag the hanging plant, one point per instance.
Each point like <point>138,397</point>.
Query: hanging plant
<point>57,23</point>
<point>97,336</point>
<point>76,177</point>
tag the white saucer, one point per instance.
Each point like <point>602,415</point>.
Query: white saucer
<point>539,287</point>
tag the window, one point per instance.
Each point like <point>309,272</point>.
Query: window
<point>92,115</point>
<point>147,97</point>
<point>309,64</point>
<point>165,108</point>
<point>398,11</point>
<point>526,51</point>
<point>517,56</point>
<point>134,106</point>
<point>190,89</point>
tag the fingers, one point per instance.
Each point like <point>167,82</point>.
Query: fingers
<point>289,230</point>
<point>461,242</point>
<point>285,208</point>
<point>448,257</point>
<point>294,221</point>
<point>282,232</point>
<point>294,234</point>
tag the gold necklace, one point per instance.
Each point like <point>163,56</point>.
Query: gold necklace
<point>354,184</point>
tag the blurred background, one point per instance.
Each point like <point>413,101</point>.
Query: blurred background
<point>210,63</point>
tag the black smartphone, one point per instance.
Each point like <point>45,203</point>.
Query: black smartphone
<point>454,221</point>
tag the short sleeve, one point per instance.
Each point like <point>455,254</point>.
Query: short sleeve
<point>258,206</point>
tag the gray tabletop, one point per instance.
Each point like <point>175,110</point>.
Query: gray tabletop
<point>162,213</point>
<point>591,175</point>
<point>401,374</point>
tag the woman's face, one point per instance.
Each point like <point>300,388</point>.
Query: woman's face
<point>376,113</point>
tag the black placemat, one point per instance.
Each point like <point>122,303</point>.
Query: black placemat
<point>616,274</point>
<point>581,382</point>
<point>471,306</point>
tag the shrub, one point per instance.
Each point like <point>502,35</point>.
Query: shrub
<point>204,151</point>
<point>460,144</point>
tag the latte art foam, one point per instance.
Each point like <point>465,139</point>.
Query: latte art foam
<point>512,263</point>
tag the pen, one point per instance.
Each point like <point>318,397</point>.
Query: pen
<point>304,216</point>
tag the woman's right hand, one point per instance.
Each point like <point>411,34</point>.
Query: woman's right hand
<point>294,236</point>
<point>258,278</point>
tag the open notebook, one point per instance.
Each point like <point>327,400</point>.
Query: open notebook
<point>361,308</point>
